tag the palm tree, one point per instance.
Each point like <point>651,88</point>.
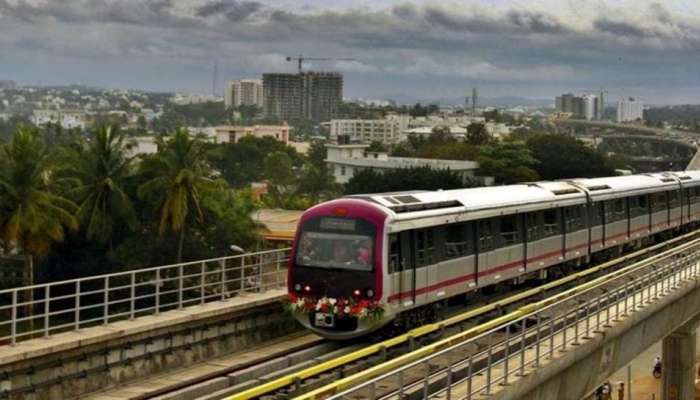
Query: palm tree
<point>95,172</point>
<point>31,216</point>
<point>178,178</point>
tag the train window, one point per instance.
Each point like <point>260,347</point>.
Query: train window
<point>551,226</point>
<point>510,234</point>
<point>673,199</point>
<point>457,241</point>
<point>534,230</point>
<point>643,202</point>
<point>615,210</point>
<point>394,253</point>
<point>486,241</point>
<point>425,247</point>
<point>573,218</point>
<point>659,202</point>
<point>697,194</point>
<point>597,211</point>
<point>638,206</point>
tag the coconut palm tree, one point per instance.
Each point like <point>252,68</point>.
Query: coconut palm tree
<point>94,173</point>
<point>177,179</point>
<point>32,217</point>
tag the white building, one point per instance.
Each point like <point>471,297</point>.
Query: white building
<point>345,159</point>
<point>234,133</point>
<point>589,106</point>
<point>630,109</point>
<point>244,92</point>
<point>141,145</point>
<point>387,131</point>
<point>67,119</point>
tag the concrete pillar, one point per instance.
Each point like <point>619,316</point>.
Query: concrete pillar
<point>678,363</point>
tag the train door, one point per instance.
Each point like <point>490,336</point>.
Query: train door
<point>403,272</point>
<point>424,258</point>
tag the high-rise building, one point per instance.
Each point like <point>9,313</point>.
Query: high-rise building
<point>588,106</point>
<point>312,95</point>
<point>244,92</point>
<point>475,100</point>
<point>630,109</point>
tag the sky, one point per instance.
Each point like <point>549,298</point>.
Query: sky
<point>404,50</point>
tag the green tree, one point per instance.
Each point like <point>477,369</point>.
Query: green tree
<point>508,162</point>
<point>281,177</point>
<point>477,134</point>
<point>317,154</point>
<point>416,178</point>
<point>95,172</point>
<point>376,147</point>
<point>564,157</point>
<point>178,180</point>
<point>32,217</point>
<point>316,183</point>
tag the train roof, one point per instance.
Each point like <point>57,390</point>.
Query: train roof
<point>483,202</point>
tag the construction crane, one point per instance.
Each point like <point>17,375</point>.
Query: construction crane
<point>301,59</point>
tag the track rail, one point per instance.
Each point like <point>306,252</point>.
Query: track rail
<point>409,338</point>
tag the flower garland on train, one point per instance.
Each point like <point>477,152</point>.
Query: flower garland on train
<point>362,309</point>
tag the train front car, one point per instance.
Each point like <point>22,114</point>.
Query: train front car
<point>335,272</point>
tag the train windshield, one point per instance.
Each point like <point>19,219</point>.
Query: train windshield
<point>336,243</point>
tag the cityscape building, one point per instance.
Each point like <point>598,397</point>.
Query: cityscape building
<point>244,92</point>
<point>7,85</point>
<point>347,158</point>
<point>311,95</point>
<point>630,109</point>
<point>387,130</point>
<point>233,133</point>
<point>588,106</point>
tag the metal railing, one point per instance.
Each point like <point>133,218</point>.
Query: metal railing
<point>486,360</point>
<point>42,310</point>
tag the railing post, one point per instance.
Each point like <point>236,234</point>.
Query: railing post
<point>506,355</point>
<point>180,285</point>
<point>469,379</point>
<point>565,323</point>
<point>105,301</point>
<point>77,305</point>
<point>400,378</point>
<point>132,302</point>
<point>13,326</point>
<point>47,310</point>
<point>449,380</point>
<point>426,379</point>
<point>222,264</point>
<point>522,347</point>
<point>157,299</point>
<point>202,295</point>
<point>488,367</point>
<point>551,338</point>
<point>537,342</point>
<point>242,273</point>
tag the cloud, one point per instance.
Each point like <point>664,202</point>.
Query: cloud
<point>408,44</point>
<point>233,10</point>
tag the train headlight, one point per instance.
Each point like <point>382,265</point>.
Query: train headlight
<point>297,287</point>
<point>357,292</point>
<point>369,293</point>
<point>307,288</point>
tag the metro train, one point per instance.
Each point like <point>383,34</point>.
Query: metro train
<point>361,262</point>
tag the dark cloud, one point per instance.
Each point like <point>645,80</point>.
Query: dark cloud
<point>621,28</point>
<point>233,10</point>
<point>404,43</point>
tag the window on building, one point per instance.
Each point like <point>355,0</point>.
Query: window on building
<point>342,170</point>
